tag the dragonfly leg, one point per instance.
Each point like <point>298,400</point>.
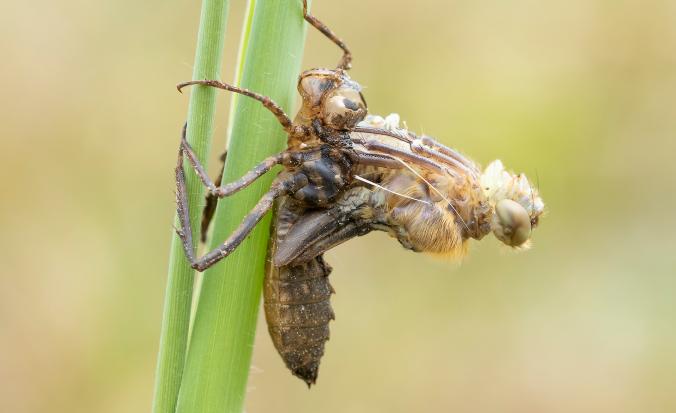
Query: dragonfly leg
<point>281,186</point>
<point>346,61</point>
<point>271,105</point>
<point>282,158</point>
<point>210,203</point>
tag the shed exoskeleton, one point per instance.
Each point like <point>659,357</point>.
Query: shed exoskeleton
<point>346,174</point>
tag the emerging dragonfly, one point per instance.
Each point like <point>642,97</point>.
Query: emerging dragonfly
<point>346,174</point>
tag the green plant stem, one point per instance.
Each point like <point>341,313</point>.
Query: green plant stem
<point>178,295</point>
<point>218,360</point>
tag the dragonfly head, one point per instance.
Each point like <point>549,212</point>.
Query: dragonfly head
<point>333,97</point>
<point>516,204</point>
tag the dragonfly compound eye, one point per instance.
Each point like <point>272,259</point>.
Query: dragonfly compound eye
<point>314,83</point>
<point>511,223</point>
<point>343,109</point>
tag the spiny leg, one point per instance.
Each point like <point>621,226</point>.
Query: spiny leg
<point>286,158</point>
<point>282,117</point>
<point>346,61</point>
<point>185,231</point>
<point>287,185</point>
<point>282,158</point>
<point>210,203</point>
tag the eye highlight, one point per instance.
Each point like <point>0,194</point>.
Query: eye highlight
<point>511,223</point>
<point>343,109</point>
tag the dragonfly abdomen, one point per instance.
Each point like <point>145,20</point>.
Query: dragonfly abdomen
<point>298,312</point>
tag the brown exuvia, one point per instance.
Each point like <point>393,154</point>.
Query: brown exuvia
<point>346,174</point>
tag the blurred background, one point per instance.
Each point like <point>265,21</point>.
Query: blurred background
<point>580,93</point>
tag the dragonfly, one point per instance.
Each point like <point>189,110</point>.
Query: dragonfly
<point>344,174</point>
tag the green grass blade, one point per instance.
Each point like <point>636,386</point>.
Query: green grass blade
<point>176,314</point>
<point>218,361</point>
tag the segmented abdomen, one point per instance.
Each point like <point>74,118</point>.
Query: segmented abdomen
<point>298,312</point>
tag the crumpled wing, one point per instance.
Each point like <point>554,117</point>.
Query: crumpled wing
<point>317,231</point>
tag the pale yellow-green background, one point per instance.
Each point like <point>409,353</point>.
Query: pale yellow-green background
<point>583,92</point>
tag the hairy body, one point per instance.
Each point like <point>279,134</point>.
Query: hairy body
<point>426,211</point>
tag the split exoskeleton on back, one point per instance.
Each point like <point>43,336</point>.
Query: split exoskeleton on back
<point>344,175</point>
